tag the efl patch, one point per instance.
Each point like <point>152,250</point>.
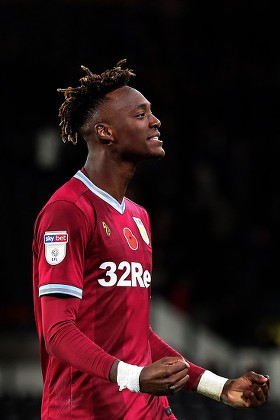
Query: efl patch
<point>55,246</point>
<point>142,230</point>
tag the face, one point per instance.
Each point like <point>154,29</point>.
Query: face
<point>134,130</point>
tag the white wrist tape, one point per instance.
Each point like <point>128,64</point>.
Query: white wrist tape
<point>128,376</point>
<point>211,385</point>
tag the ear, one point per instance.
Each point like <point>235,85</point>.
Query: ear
<point>103,133</point>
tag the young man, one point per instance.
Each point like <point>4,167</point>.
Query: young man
<point>92,271</point>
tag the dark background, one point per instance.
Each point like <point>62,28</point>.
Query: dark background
<point>212,73</point>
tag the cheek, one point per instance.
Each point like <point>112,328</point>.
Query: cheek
<point>128,135</point>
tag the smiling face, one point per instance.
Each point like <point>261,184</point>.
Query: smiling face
<point>130,127</point>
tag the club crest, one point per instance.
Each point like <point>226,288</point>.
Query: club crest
<point>106,228</point>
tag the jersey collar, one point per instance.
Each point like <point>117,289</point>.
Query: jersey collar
<point>100,193</point>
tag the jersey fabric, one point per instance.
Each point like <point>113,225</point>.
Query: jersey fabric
<point>90,247</point>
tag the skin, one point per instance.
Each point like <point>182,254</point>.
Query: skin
<point>250,390</point>
<point>119,135</point>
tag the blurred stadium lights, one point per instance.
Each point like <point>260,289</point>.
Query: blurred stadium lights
<point>47,148</point>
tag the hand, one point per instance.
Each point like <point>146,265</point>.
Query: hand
<point>165,376</point>
<point>250,390</point>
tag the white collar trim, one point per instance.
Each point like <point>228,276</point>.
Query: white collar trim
<point>100,193</point>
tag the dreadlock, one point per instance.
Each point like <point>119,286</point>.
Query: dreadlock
<point>81,101</point>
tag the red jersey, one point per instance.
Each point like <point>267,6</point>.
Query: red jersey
<point>89,246</point>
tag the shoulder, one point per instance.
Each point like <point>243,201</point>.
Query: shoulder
<point>69,202</point>
<point>71,191</point>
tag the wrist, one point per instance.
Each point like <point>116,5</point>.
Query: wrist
<point>211,385</point>
<point>113,371</point>
<point>128,376</point>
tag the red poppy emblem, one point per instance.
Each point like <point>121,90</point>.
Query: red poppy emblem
<point>131,240</point>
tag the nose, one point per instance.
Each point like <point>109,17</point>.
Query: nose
<point>155,122</point>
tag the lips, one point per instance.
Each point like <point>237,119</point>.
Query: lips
<point>154,137</point>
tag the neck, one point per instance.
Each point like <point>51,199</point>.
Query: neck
<point>112,179</point>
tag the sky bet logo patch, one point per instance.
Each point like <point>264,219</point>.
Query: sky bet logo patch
<point>55,246</point>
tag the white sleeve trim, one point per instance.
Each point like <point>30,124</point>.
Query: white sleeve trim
<point>48,289</point>
<point>211,385</point>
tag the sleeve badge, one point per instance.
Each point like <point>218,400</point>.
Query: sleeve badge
<point>55,246</point>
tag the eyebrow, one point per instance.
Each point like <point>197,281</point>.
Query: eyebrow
<point>144,105</point>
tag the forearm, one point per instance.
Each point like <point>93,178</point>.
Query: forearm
<point>160,348</point>
<point>67,343</point>
<point>73,347</point>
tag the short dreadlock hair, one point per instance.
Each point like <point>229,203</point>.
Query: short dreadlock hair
<point>82,101</point>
